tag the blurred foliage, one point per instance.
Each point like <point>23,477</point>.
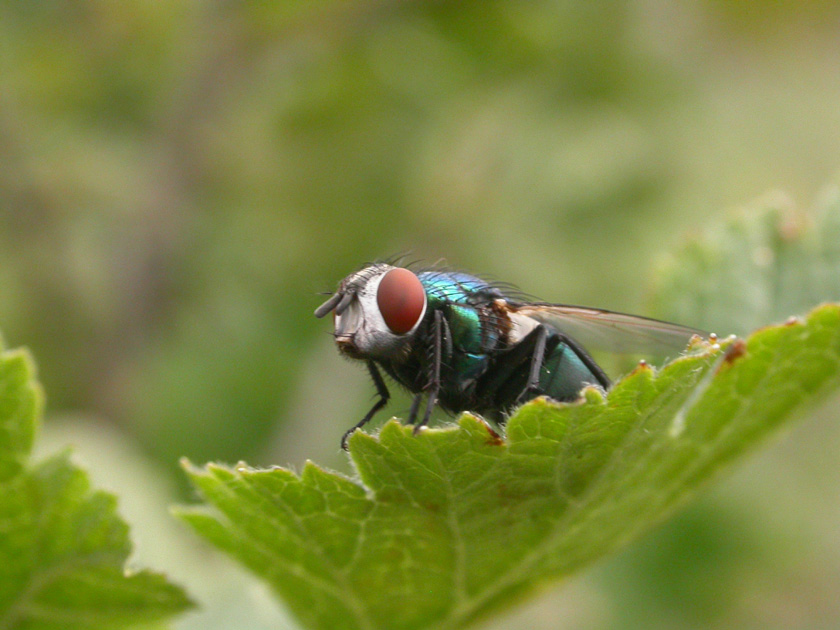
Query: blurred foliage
<point>63,551</point>
<point>181,178</point>
<point>769,262</point>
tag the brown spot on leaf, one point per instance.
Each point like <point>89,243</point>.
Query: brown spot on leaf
<point>494,438</point>
<point>734,351</point>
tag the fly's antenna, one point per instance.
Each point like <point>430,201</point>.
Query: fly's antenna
<point>329,305</point>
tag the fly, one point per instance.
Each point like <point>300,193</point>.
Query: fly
<point>468,344</point>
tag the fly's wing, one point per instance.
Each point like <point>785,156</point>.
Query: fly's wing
<point>613,332</point>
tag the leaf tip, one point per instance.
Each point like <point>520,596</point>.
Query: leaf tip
<point>793,320</point>
<point>477,425</point>
<point>359,440</point>
<point>593,395</point>
<point>242,467</point>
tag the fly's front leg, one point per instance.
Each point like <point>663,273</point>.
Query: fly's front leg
<point>384,396</point>
<point>439,329</point>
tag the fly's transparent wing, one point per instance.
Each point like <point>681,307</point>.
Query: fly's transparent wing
<point>614,332</point>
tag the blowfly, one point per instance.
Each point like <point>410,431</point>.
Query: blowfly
<point>469,344</point>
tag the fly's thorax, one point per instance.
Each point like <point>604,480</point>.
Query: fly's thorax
<point>361,329</point>
<point>478,327</point>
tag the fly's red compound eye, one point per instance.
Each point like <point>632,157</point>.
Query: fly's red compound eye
<point>401,300</point>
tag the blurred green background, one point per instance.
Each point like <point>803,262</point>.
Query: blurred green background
<point>178,181</point>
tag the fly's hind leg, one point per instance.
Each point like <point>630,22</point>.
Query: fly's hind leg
<point>540,350</point>
<point>544,345</point>
<point>530,354</point>
<point>507,370</point>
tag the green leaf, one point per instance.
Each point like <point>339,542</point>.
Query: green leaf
<point>449,526</point>
<point>62,546</point>
<point>767,262</point>
<point>20,404</point>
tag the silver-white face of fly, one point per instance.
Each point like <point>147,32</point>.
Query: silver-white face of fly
<point>377,311</point>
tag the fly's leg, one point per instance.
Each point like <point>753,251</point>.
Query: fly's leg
<point>439,330</point>
<point>544,345</point>
<point>415,407</point>
<point>384,395</point>
<point>589,362</point>
<point>533,349</point>
<point>532,386</point>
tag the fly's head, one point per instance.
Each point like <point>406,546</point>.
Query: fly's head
<point>376,311</point>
